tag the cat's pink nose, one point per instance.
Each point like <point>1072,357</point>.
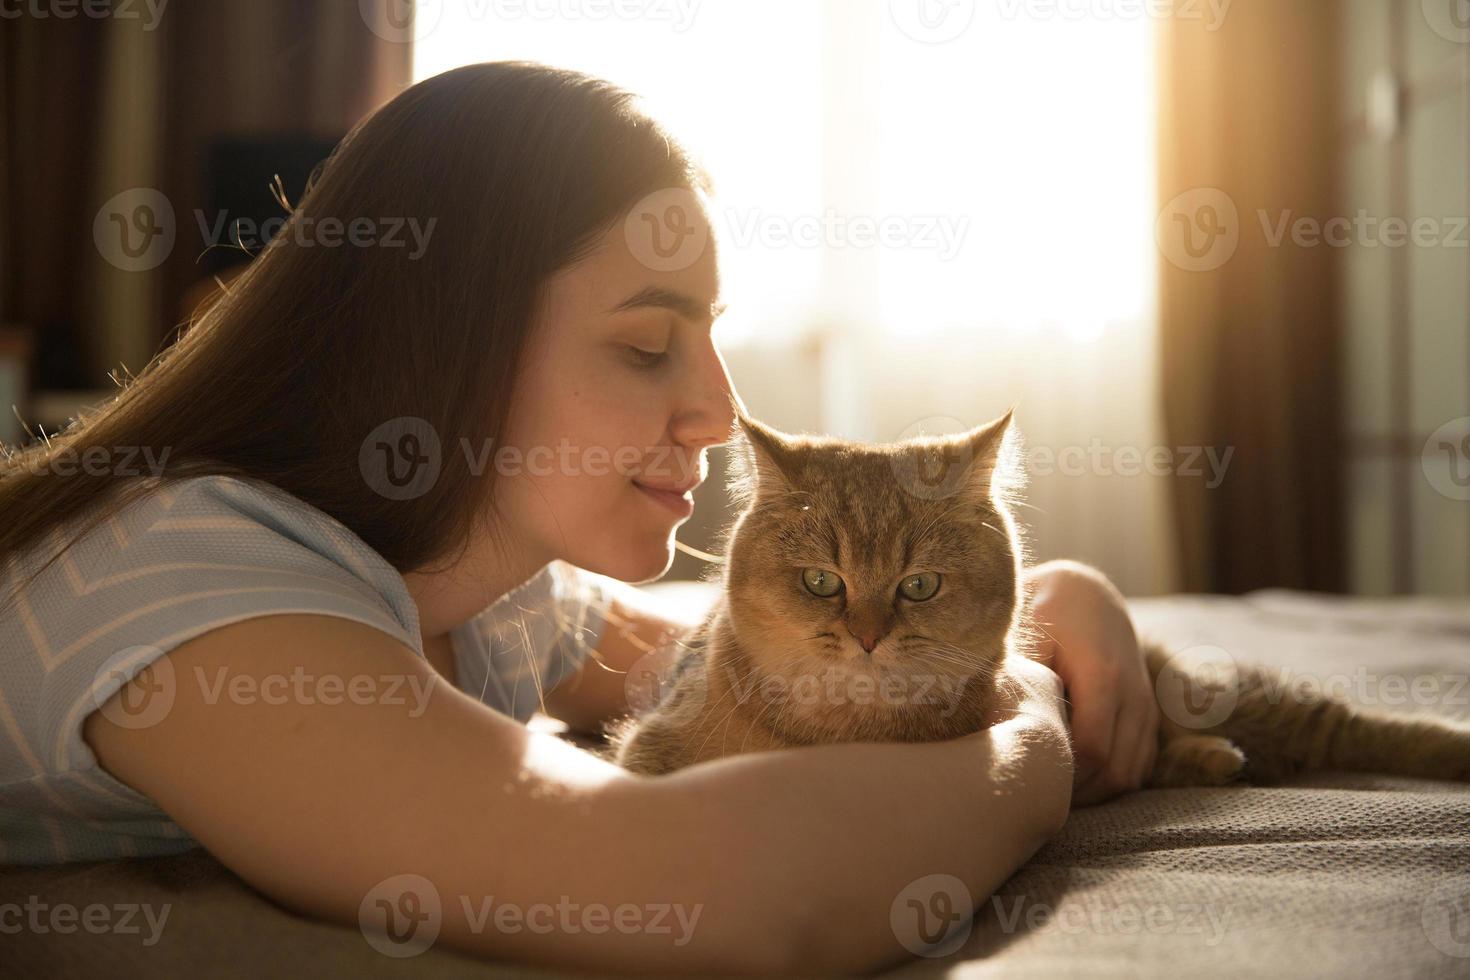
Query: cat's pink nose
<point>868,638</point>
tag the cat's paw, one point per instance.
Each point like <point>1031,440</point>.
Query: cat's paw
<point>1197,760</point>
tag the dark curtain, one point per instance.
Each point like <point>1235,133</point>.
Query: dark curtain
<point>220,69</point>
<point>49,72</point>
<point>269,69</point>
<point>1251,344</point>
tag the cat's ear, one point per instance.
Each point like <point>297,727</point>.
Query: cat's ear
<point>996,471</point>
<point>979,465</point>
<point>761,460</point>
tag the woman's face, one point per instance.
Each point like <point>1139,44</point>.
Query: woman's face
<point>621,391</point>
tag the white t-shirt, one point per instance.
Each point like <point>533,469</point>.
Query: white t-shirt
<point>189,557</point>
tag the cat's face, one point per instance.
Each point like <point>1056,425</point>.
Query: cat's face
<point>872,588</point>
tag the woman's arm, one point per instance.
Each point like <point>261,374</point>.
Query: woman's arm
<point>791,860</point>
<point>637,624</point>
<point>1090,642</point>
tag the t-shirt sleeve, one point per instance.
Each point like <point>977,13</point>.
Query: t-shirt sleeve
<point>538,634</point>
<point>187,558</point>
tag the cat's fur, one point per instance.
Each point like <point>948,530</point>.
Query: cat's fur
<point>775,666</point>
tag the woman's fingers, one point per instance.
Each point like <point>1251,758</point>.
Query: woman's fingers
<point>1095,710</point>
<point>1129,759</point>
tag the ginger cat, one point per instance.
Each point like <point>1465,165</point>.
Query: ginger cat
<point>870,592</point>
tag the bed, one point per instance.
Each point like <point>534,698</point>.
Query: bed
<point>1334,875</point>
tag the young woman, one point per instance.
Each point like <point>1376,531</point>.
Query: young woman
<point>307,641</point>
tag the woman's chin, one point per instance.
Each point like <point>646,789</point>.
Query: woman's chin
<point>640,561</point>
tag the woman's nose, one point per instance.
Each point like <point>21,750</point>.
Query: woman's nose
<point>707,416</point>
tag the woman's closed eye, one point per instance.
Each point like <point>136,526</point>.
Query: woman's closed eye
<point>646,358</point>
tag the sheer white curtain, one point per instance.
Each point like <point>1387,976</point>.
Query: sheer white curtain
<point>928,210</point>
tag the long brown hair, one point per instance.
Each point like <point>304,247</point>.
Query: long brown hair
<point>521,167</point>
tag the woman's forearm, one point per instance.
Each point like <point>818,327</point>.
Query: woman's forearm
<point>803,852</point>
<point>515,845</point>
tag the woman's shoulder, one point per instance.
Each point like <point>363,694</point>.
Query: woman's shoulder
<point>171,562</point>
<point>170,530</point>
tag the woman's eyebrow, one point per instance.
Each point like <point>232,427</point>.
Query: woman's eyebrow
<point>669,299</point>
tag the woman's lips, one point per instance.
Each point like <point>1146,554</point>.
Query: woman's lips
<point>681,504</point>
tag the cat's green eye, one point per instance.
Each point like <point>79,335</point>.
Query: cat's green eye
<point>820,582</point>
<point>919,587</point>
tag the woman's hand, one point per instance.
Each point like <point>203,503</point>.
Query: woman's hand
<point>1089,641</point>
